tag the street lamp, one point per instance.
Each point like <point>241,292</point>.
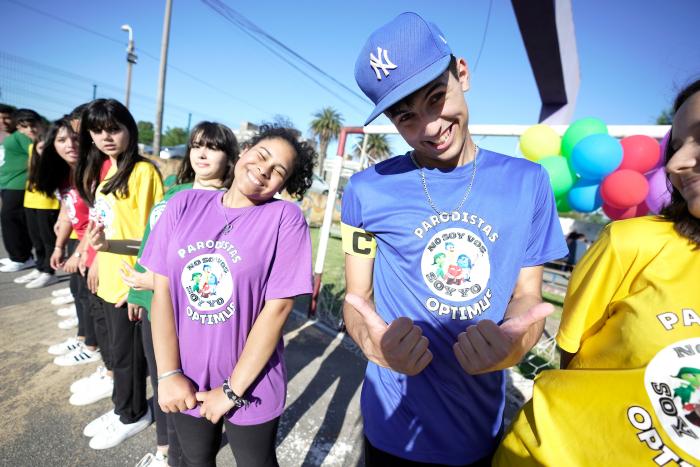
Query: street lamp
<point>130,60</point>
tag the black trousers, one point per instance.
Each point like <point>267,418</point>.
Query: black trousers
<point>377,458</point>
<point>81,294</point>
<point>13,222</point>
<point>97,313</point>
<point>40,223</point>
<point>200,440</point>
<point>128,364</point>
<point>160,417</point>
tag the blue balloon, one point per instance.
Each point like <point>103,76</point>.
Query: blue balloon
<point>584,196</point>
<point>596,156</point>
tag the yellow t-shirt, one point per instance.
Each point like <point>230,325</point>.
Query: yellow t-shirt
<point>631,395</point>
<point>35,200</point>
<point>124,219</point>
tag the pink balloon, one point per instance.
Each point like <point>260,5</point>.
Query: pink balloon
<point>624,188</point>
<point>659,193</point>
<point>617,214</point>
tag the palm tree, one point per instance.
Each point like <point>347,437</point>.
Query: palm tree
<point>377,149</point>
<point>326,126</point>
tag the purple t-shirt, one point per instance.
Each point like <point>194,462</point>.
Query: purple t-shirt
<point>219,283</point>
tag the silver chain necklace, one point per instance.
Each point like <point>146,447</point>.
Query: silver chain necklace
<point>229,224</point>
<point>427,193</point>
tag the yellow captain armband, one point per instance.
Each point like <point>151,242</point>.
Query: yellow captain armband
<point>358,242</point>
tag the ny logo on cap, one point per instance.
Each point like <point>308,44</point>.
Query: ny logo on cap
<point>377,63</point>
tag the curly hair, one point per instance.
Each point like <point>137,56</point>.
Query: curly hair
<point>677,211</point>
<point>302,173</point>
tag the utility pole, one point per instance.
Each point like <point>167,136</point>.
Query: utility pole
<point>130,60</point>
<point>94,92</point>
<point>189,122</point>
<point>161,77</point>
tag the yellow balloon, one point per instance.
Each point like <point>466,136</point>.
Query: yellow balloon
<point>540,141</point>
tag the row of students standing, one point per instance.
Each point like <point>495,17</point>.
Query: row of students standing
<point>217,245</point>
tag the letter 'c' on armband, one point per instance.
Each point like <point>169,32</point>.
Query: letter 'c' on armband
<point>358,242</point>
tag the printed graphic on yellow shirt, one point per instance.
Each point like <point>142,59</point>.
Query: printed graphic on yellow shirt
<point>207,281</point>
<point>672,381</point>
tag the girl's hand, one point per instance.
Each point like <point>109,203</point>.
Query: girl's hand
<point>176,394</point>
<point>214,405</point>
<point>71,264</point>
<point>135,279</point>
<point>135,312</point>
<point>56,261</point>
<point>96,236</point>
<point>93,280</point>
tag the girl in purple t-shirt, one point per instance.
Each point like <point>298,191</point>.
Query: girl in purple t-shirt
<point>227,266</point>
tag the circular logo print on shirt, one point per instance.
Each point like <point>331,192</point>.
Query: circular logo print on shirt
<point>455,265</point>
<point>672,381</point>
<point>103,213</point>
<point>69,200</point>
<point>155,213</point>
<point>207,282</point>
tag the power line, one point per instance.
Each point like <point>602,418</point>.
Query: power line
<point>483,37</point>
<point>144,53</point>
<point>233,17</point>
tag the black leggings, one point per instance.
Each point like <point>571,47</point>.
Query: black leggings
<point>14,226</point>
<point>40,223</point>
<point>95,308</point>
<point>200,440</point>
<point>80,292</point>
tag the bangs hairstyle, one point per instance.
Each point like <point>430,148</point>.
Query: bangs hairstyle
<point>676,211</point>
<point>105,114</point>
<point>48,171</point>
<point>214,136</point>
<point>301,177</point>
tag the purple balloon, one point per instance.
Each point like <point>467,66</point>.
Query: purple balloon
<point>662,148</point>
<point>659,193</point>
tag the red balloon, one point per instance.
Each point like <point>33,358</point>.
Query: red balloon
<point>624,189</point>
<point>618,214</point>
<point>639,153</point>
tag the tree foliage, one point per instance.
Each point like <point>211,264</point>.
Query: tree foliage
<point>326,127</point>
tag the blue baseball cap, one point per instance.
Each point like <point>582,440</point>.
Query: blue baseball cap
<point>399,58</point>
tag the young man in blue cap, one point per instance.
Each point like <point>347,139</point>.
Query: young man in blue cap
<point>444,251</point>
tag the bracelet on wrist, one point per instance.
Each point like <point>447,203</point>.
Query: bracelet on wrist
<point>169,373</point>
<point>237,400</point>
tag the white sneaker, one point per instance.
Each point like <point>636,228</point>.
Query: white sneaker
<point>4,261</point>
<point>63,300</point>
<point>69,323</point>
<point>27,277</point>
<point>68,345</point>
<point>116,432</point>
<point>43,280</point>
<point>99,424</point>
<point>14,266</point>
<point>67,312</point>
<point>96,390</point>
<point>61,292</point>
<point>79,356</point>
<point>151,460</point>
<point>83,383</point>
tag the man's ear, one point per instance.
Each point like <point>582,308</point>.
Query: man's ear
<point>463,74</point>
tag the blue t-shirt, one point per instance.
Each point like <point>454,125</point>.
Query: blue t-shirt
<point>446,272</point>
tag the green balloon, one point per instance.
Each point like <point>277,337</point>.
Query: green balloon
<point>561,177</point>
<point>579,130</point>
<point>563,203</point>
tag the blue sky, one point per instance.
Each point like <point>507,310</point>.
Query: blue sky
<point>633,57</point>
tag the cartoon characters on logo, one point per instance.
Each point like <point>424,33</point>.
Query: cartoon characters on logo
<point>672,382</point>
<point>155,213</point>
<point>455,264</point>
<point>207,281</point>
<point>103,213</point>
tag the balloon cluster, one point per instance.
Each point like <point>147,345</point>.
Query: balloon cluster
<point>589,169</point>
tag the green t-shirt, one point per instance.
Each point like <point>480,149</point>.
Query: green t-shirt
<point>13,171</point>
<point>143,297</point>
